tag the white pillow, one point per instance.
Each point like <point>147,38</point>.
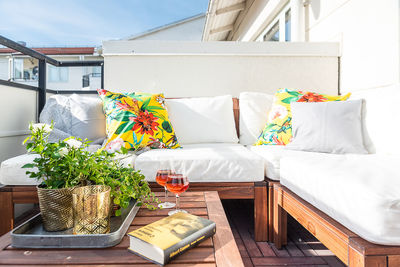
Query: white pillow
<point>87,118</point>
<point>328,127</point>
<point>254,108</point>
<point>203,120</point>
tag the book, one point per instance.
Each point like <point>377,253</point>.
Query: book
<point>169,237</point>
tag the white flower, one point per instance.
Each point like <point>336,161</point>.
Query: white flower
<point>114,145</point>
<point>73,143</point>
<point>43,126</point>
<point>63,151</point>
<point>277,111</point>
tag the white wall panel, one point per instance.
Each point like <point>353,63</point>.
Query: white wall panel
<point>209,69</point>
<point>368,32</point>
<point>18,109</point>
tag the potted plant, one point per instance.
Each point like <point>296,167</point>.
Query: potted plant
<point>58,167</point>
<point>66,164</point>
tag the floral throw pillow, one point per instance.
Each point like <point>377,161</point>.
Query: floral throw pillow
<point>136,120</point>
<point>278,130</point>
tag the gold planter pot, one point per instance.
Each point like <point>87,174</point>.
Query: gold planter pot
<point>91,209</point>
<point>56,208</point>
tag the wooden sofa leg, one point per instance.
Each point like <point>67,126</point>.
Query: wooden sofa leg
<point>280,220</point>
<point>6,211</point>
<point>357,259</point>
<point>260,211</point>
<point>270,212</point>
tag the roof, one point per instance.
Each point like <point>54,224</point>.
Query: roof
<point>222,17</point>
<point>166,26</point>
<point>56,50</point>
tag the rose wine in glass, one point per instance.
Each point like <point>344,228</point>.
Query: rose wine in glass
<point>177,184</point>
<point>162,177</point>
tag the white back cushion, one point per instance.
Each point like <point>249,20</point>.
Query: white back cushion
<point>254,108</point>
<point>203,120</point>
<point>380,119</point>
<point>87,117</point>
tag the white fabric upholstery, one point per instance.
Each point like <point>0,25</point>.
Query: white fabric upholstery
<point>362,192</point>
<point>205,163</point>
<point>254,108</point>
<point>11,172</point>
<point>272,155</point>
<point>75,115</point>
<point>328,127</point>
<point>381,107</point>
<point>203,120</point>
<point>87,117</point>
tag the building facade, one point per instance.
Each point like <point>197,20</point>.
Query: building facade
<point>367,31</point>
<point>24,69</point>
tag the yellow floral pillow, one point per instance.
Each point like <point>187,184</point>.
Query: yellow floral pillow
<point>278,130</point>
<point>137,120</point>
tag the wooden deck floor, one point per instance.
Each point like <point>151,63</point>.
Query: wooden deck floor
<point>302,250</point>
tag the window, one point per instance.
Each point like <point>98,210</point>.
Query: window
<point>288,26</point>
<point>58,74</point>
<point>273,34</point>
<point>279,30</point>
<point>18,68</point>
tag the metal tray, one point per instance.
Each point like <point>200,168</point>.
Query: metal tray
<point>31,234</point>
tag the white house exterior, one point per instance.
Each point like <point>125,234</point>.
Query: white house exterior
<point>23,69</point>
<point>188,29</point>
<point>367,31</point>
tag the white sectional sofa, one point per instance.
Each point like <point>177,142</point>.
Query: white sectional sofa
<point>355,197</point>
<point>211,154</point>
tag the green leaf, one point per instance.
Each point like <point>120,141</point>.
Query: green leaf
<point>294,93</point>
<point>289,100</point>
<point>167,126</point>
<point>29,165</point>
<point>145,104</point>
<point>118,212</point>
<point>123,116</point>
<point>124,127</point>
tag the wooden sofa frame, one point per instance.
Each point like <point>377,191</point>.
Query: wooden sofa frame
<point>350,248</point>
<point>11,195</point>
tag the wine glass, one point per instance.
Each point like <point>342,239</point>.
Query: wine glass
<point>177,184</point>
<point>161,179</point>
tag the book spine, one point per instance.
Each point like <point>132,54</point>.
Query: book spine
<point>189,242</point>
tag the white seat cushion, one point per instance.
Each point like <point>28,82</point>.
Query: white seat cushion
<point>362,192</point>
<point>272,156</point>
<point>12,173</point>
<point>205,163</point>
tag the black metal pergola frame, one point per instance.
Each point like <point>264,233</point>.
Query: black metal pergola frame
<point>42,74</point>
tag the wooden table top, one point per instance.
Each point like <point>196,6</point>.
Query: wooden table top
<point>220,250</point>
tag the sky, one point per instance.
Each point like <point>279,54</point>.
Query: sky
<point>88,22</point>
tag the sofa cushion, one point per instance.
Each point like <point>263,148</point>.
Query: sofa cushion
<point>278,130</point>
<point>87,118</point>
<point>328,127</point>
<point>272,158</point>
<point>381,107</point>
<point>12,173</point>
<point>205,163</point>
<point>254,108</point>
<point>137,120</point>
<point>359,191</point>
<point>203,120</point>
<point>76,115</point>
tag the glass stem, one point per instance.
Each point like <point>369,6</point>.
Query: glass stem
<point>166,194</point>
<point>177,203</point>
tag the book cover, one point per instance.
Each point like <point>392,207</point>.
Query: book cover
<point>169,237</point>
